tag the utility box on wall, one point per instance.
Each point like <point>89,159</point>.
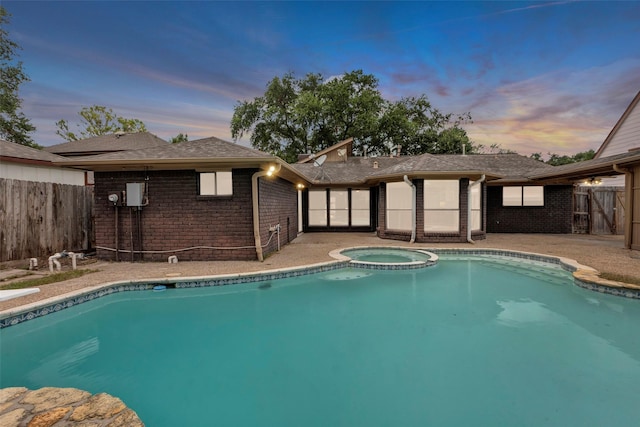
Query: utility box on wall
<point>135,193</point>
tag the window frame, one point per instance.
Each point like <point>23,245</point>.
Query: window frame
<point>430,208</point>
<point>217,187</point>
<point>401,210</point>
<point>525,200</point>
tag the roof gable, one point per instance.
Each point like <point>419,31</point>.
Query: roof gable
<point>334,153</point>
<point>631,114</point>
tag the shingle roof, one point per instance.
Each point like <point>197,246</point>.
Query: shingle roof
<point>356,170</point>
<point>510,166</point>
<point>206,148</point>
<point>504,167</point>
<point>108,143</point>
<point>17,151</point>
<point>596,167</point>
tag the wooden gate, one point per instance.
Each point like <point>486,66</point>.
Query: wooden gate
<point>598,210</point>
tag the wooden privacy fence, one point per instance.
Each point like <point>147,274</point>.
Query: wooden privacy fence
<point>38,219</point>
<point>598,210</point>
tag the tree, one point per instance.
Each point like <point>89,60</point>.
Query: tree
<point>557,160</point>
<point>415,125</point>
<point>98,120</point>
<point>14,126</point>
<point>306,115</point>
<point>181,137</point>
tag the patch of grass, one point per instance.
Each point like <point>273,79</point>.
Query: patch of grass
<point>621,278</point>
<point>45,280</point>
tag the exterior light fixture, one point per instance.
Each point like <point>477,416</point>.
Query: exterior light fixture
<point>593,181</point>
<point>271,170</point>
<point>300,186</point>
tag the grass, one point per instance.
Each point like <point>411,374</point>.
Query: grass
<point>45,280</point>
<point>621,278</point>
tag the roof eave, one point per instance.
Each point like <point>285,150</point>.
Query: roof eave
<point>472,175</point>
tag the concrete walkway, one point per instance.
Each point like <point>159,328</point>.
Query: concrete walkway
<point>604,253</point>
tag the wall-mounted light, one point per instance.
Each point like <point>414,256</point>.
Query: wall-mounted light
<point>271,170</point>
<point>300,186</point>
<point>593,181</point>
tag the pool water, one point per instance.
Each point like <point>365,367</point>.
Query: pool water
<point>468,342</point>
<point>385,255</point>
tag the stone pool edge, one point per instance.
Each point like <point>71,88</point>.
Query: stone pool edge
<point>583,276</point>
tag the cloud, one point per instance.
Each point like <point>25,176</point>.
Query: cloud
<point>563,111</point>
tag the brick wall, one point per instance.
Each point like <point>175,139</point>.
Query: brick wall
<point>421,236</point>
<point>176,217</point>
<point>278,205</point>
<point>555,217</point>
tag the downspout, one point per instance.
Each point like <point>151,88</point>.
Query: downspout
<point>628,196</point>
<point>256,212</point>
<point>413,208</point>
<point>469,187</point>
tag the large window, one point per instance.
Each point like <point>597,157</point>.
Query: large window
<point>345,208</point>
<point>338,208</point>
<point>441,206</point>
<point>318,208</point>
<point>216,184</point>
<point>360,207</point>
<point>399,198</point>
<point>476,206</point>
<point>523,196</point>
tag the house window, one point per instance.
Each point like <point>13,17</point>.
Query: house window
<point>476,207</point>
<point>343,208</point>
<point>216,184</point>
<point>399,198</point>
<point>523,196</point>
<point>339,208</point>
<point>360,208</point>
<point>441,206</point>
<point>318,208</point>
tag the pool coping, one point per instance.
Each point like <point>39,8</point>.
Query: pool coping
<point>368,265</point>
<point>583,276</point>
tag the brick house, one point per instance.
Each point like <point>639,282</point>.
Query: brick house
<point>214,200</point>
<point>206,199</point>
<point>432,198</point>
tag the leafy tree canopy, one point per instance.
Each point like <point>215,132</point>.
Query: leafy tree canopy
<point>557,160</point>
<point>296,116</point>
<point>181,137</point>
<point>14,126</point>
<point>98,120</point>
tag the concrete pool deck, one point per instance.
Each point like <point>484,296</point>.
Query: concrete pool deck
<point>603,253</point>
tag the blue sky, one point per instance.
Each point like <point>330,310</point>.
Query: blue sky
<point>535,76</point>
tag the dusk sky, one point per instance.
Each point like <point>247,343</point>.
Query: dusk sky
<point>535,76</point>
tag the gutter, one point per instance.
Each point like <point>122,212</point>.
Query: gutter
<point>413,208</point>
<point>469,187</point>
<point>256,207</point>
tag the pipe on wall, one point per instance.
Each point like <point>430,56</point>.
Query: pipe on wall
<point>469,222</point>
<point>256,207</point>
<point>413,208</point>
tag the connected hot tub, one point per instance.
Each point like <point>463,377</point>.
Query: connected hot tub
<point>386,258</point>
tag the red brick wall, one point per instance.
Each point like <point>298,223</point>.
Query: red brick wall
<point>278,205</point>
<point>555,217</point>
<point>177,217</point>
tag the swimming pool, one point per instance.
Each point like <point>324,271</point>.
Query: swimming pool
<point>471,341</point>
